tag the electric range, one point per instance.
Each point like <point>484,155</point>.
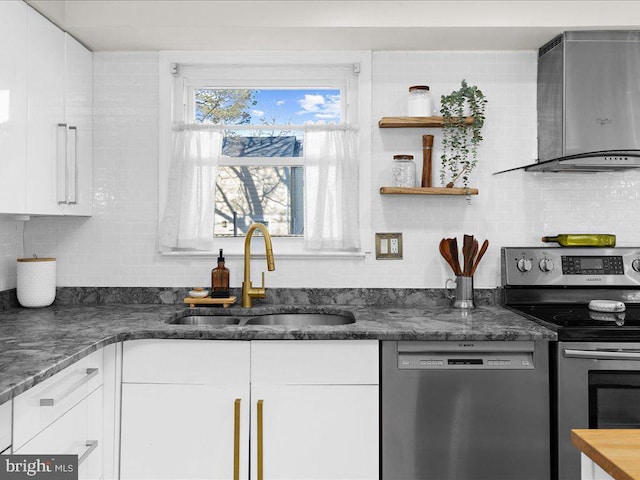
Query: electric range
<point>591,298</point>
<point>554,286</point>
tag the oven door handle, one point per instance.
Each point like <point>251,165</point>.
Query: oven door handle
<point>601,354</point>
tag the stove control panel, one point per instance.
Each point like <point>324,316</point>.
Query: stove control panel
<point>571,266</point>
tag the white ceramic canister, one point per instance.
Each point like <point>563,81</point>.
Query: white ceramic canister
<point>420,103</point>
<point>36,282</point>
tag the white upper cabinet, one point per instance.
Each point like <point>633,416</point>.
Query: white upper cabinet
<point>13,105</point>
<point>78,95</point>
<point>46,165</point>
<point>46,137</point>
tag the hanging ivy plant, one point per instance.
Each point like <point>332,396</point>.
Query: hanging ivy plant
<point>460,140</point>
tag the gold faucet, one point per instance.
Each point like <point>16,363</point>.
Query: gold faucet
<point>248,290</point>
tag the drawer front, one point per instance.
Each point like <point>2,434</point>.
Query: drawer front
<point>74,433</point>
<point>309,362</point>
<point>42,405</point>
<point>197,362</point>
<point>5,426</point>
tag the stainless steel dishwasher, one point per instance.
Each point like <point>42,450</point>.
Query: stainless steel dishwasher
<point>459,410</point>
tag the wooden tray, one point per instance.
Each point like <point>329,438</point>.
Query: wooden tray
<point>225,302</point>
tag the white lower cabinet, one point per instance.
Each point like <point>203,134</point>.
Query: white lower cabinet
<point>76,432</point>
<point>65,414</point>
<point>181,400</point>
<point>591,470</point>
<point>5,427</point>
<point>182,431</point>
<point>315,431</point>
<point>293,410</point>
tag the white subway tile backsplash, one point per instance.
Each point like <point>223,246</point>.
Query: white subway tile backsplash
<point>10,249</point>
<point>118,245</point>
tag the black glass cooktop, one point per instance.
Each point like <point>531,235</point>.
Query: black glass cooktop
<point>577,322</point>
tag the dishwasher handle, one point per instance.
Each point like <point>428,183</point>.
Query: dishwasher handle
<point>602,354</point>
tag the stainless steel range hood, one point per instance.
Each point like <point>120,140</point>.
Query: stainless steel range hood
<point>589,103</point>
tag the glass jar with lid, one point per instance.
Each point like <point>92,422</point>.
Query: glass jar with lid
<point>420,103</point>
<point>403,171</point>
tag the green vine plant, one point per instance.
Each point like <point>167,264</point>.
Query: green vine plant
<point>460,140</point>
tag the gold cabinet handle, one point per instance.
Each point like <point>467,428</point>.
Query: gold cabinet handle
<point>236,439</point>
<point>260,441</point>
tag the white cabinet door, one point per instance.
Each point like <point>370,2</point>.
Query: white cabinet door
<point>591,470</point>
<point>174,431</point>
<point>77,432</point>
<point>46,136</point>
<point>13,106</point>
<point>315,431</point>
<point>78,117</point>
<point>5,426</point>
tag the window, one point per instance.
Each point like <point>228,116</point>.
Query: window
<point>261,169</point>
<point>263,113</point>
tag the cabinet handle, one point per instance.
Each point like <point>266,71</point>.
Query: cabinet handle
<point>260,441</point>
<point>72,166</point>
<point>236,439</point>
<point>50,402</point>
<point>92,444</point>
<point>62,164</point>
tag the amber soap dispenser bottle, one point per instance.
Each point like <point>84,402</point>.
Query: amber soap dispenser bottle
<point>220,279</point>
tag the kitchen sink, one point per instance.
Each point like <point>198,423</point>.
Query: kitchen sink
<point>287,319</point>
<point>301,319</point>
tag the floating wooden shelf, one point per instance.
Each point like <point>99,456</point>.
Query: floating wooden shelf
<point>428,191</point>
<point>225,302</point>
<point>416,122</point>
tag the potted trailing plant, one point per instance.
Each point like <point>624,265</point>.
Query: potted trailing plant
<point>460,140</point>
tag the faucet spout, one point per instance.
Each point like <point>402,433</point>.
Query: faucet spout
<point>249,292</point>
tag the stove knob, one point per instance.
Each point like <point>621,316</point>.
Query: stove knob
<point>636,265</point>
<point>524,265</point>
<point>546,265</point>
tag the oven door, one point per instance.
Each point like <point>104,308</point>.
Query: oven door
<point>597,386</point>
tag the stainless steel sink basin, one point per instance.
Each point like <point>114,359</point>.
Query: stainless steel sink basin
<point>301,319</point>
<point>207,320</point>
<point>287,319</point>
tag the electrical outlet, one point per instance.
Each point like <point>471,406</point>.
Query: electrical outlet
<point>388,246</point>
<point>394,246</point>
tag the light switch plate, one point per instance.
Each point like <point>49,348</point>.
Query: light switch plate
<point>388,246</point>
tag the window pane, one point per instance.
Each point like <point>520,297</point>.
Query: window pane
<point>270,195</point>
<point>263,144</point>
<point>275,106</point>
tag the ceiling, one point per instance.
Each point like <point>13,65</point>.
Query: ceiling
<point>133,25</point>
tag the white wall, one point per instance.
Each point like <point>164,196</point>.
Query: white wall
<point>118,245</point>
<point>10,250</point>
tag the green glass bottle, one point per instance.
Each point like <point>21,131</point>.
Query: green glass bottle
<point>583,240</point>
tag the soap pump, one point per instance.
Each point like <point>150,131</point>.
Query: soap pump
<point>220,279</point>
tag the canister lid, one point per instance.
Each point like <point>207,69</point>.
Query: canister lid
<point>403,157</point>
<point>36,259</point>
<point>419,87</point>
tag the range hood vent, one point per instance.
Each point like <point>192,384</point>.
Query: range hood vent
<point>606,161</point>
<point>588,103</point>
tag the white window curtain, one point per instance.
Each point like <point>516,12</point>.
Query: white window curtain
<point>331,185</point>
<point>188,219</point>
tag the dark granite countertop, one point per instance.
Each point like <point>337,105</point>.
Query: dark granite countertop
<point>37,343</point>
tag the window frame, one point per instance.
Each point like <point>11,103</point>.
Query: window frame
<point>287,70</point>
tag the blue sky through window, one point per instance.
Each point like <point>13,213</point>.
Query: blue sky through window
<point>284,106</point>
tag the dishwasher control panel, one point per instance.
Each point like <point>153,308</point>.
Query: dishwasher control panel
<point>468,356</point>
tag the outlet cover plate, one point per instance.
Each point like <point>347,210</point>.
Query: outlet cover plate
<point>389,246</point>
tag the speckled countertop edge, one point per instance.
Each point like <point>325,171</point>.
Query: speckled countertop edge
<point>37,343</point>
